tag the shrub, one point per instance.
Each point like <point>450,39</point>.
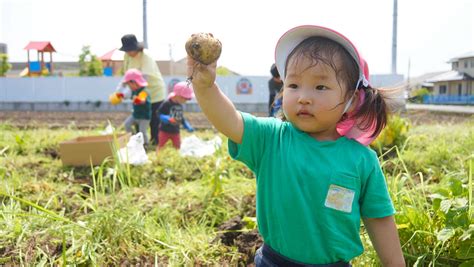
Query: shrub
<point>394,134</point>
<point>89,64</point>
<point>4,65</point>
<point>417,95</point>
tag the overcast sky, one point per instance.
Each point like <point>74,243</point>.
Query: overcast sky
<point>430,32</point>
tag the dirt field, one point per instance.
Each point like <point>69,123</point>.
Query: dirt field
<point>84,120</point>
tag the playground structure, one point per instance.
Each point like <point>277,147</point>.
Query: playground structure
<point>112,62</point>
<point>39,67</point>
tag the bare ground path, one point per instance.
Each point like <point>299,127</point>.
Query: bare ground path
<point>84,120</point>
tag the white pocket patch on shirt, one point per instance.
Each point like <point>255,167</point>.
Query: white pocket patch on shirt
<point>339,198</point>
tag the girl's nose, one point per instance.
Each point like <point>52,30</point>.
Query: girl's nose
<point>304,99</point>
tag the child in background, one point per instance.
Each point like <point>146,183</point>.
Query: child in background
<point>316,177</point>
<point>171,115</point>
<point>141,113</point>
<point>274,87</point>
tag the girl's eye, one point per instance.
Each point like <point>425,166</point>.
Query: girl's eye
<point>292,86</point>
<point>321,87</point>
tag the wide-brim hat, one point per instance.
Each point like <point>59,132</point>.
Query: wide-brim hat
<point>292,38</point>
<point>130,43</point>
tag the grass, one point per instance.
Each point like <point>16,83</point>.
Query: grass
<point>169,212</point>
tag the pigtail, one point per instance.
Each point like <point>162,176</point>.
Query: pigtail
<point>378,104</point>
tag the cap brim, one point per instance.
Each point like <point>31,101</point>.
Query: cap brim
<point>295,36</point>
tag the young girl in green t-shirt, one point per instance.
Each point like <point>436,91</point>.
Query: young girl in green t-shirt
<point>316,177</point>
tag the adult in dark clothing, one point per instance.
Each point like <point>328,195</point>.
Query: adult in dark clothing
<point>274,86</point>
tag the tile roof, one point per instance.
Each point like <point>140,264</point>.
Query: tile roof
<point>452,75</point>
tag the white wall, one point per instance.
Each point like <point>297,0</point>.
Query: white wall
<point>92,89</point>
<point>81,89</point>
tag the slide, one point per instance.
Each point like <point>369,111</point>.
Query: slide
<point>24,72</point>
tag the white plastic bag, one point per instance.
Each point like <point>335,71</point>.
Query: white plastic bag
<point>134,153</point>
<point>108,130</point>
<point>193,146</point>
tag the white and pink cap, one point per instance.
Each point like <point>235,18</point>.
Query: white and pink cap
<point>182,89</point>
<point>294,37</point>
<point>135,75</point>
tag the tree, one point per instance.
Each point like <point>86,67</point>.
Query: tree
<point>418,95</point>
<point>223,71</point>
<point>89,64</point>
<point>4,65</point>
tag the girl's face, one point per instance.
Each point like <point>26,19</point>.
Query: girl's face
<point>133,85</point>
<point>179,99</point>
<point>313,98</point>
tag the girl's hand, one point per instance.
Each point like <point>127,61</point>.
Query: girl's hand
<point>202,76</point>
<point>138,101</point>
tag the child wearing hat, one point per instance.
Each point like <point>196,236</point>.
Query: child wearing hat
<point>136,57</point>
<point>316,177</point>
<point>141,113</point>
<point>171,115</point>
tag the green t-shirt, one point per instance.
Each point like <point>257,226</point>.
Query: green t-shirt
<point>142,111</point>
<point>149,68</point>
<point>311,194</point>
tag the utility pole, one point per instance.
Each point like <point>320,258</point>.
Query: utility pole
<point>394,38</point>
<point>408,89</point>
<point>145,35</point>
<point>171,62</point>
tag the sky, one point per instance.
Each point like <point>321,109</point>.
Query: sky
<point>430,32</point>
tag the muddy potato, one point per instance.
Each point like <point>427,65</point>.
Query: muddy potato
<point>204,48</point>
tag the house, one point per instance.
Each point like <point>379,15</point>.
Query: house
<point>172,68</point>
<point>412,84</point>
<point>455,86</point>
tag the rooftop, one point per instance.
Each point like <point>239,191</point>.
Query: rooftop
<point>40,46</point>
<point>465,55</point>
<point>452,75</point>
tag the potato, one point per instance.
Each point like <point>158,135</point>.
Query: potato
<point>204,48</point>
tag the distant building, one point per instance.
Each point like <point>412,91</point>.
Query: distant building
<point>172,68</point>
<point>385,80</point>
<point>457,85</point>
<point>3,48</point>
<point>414,83</point>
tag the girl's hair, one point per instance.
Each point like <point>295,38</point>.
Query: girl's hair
<point>374,111</point>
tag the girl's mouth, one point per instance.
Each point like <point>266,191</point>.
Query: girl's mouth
<point>304,113</point>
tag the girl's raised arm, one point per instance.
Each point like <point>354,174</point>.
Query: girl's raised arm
<point>218,109</point>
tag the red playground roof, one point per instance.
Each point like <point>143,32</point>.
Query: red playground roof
<point>40,46</point>
<point>114,55</point>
